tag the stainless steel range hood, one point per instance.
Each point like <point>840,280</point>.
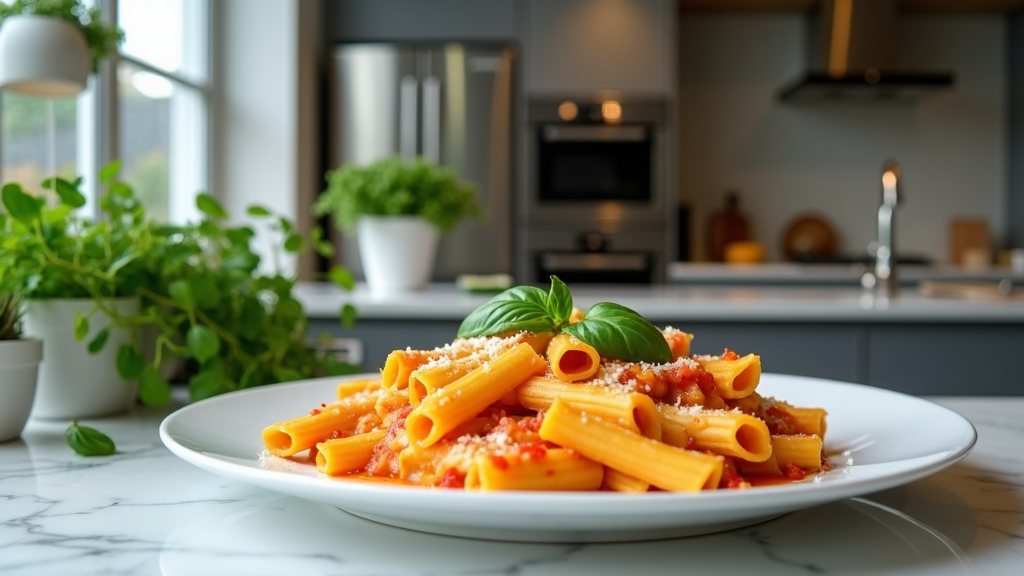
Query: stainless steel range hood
<point>852,57</point>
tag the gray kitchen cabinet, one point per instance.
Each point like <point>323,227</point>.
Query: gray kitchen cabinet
<point>582,46</point>
<point>935,359</point>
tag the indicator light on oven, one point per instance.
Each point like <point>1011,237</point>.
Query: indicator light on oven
<point>611,111</point>
<point>568,111</point>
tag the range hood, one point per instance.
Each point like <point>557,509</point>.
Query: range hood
<point>852,57</point>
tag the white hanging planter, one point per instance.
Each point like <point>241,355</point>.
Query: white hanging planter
<point>19,367</point>
<point>42,55</point>
<point>397,252</point>
<point>72,382</point>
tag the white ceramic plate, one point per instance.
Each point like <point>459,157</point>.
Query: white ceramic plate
<point>886,439</point>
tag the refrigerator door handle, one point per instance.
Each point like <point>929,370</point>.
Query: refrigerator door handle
<point>432,119</point>
<point>408,109</point>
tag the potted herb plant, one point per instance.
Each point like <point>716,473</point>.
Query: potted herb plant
<point>62,17</point>
<point>77,276</point>
<point>398,210</point>
<point>19,365</point>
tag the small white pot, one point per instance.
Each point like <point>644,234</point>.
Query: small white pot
<point>397,252</point>
<point>19,366</point>
<point>72,382</point>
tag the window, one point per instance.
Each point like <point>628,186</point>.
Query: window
<point>148,106</point>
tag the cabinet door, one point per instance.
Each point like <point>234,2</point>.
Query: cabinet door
<point>950,359</point>
<point>584,46</point>
<point>822,351</point>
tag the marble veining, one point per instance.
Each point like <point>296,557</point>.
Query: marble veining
<point>144,511</point>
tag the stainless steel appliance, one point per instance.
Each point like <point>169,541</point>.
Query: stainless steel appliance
<point>595,202</point>
<point>450,103</point>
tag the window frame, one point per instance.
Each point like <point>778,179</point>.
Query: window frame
<point>99,108</point>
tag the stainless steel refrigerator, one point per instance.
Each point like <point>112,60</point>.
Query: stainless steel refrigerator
<point>450,103</point>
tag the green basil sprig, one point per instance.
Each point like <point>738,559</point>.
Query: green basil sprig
<point>88,441</point>
<point>613,330</point>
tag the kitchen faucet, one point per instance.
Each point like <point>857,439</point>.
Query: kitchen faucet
<point>885,255</point>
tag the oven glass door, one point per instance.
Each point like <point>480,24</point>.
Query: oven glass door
<point>593,163</point>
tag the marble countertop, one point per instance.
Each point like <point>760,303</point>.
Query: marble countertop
<point>670,303</point>
<point>144,511</point>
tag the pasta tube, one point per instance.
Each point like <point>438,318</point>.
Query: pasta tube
<point>730,433</point>
<point>439,413</point>
<point>630,409</point>
<point>558,469</point>
<point>427,379</point>
<point>345,455</point>
<point>734,378</point>
<point>808,420</point>
<point>621,482</point>
<point>353,387</point>
<point>571,359</point>
<point>664,466</point>
<point>341,418</point>
<point>799,449</point>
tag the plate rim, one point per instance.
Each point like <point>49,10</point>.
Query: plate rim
<point>659,504</point>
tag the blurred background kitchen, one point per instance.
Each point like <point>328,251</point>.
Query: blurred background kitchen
<point>645,142</point>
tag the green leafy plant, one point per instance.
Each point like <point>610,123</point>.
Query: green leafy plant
<point>102,39</point>
<point>10,316</point>
<point>612,329</point>
<point>54,252</point>
<point>88,441</point>
<point>202,287</point>
<point>390,187</point>
<point>211,302</point>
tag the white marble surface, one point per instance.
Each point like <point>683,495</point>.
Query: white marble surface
<point>143,511</point>
<point>667,303</point>
<point>788,273</point>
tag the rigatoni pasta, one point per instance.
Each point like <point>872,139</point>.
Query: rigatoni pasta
<point>545,410</point>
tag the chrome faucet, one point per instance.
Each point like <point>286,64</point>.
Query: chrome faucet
<point>885,255</point>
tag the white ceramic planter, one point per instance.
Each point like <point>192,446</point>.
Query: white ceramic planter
<point>43,56</point>
<point>72,382</point>
<point>397,252</point>
<point>19,367</point>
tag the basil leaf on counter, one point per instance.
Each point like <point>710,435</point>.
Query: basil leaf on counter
<point>618,332</point>
<point>559,302</point>
<point>88,441</point>
<point>519,308</point>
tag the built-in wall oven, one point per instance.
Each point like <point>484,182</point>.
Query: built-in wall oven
<point>593,203</point>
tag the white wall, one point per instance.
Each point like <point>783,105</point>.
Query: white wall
<point>788,158</point>
<point>261,114</point>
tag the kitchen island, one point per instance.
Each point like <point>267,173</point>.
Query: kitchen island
<point>912,343</point>
<point>143,511</point>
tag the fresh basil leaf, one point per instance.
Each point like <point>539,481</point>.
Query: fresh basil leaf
<point>181,292</point>
<point>99,341</point>
<point>67,191</point>
<point>618,332</point>
<point>88,441</point>
<point>293,243</point>
<point>21,206</point>
<point>81,326</point>
<point>153,389</point>
<point>202,342</point>
<point>515,309</point>
<point>348,315</point>
<point>206,384</point>
<point>129,362</point>
<point>109,172</point>
<point>342,277</point>
<point>559,301</point>
<point>287,375</point>
<point>208,205</point>
<point>257,211</point>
